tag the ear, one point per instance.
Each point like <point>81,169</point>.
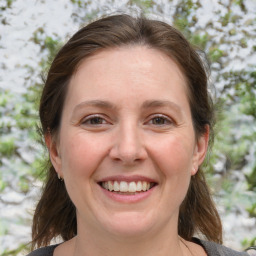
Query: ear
<point>54,153</point>
<point>200,150</point>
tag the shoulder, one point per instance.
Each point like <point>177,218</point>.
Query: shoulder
<point>214,249</point>
<point>44,251</point>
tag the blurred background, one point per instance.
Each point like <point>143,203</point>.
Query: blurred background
<point>32,31</point>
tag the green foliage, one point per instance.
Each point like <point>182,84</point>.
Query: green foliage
<point>251,179</point>
<point>246,243</point>
<point>181,23</point>
<point>7,146</point>
<point>24,184</point>
<point>3,185</point>
<point>53,46</point>
<point>226,19</point>
<point>199,40</point>
<point>252,210</point>
<point>6,4</point>
<point>183,10</point>
<point>143,4</point>
<point>241,4</point>
<point>78,2</point>
<point>246,91</point>
<point>48,44</point>
<point>4,97</point>
<point>215,54</point>
<point>23,248</point>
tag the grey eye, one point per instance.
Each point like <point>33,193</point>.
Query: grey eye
<point>159,120</point>
<point>94,120</point>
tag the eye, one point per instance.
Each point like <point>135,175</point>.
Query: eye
<point>160,120</point>
<point>93,120</point>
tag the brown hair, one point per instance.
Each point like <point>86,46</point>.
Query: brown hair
<point>55,214</point>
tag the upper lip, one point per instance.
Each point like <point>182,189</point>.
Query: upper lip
<point>128,178</point>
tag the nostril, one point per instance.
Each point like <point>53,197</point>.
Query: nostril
<point>127,157</point>
<point>128,149</point>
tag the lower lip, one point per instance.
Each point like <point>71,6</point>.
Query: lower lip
<point>124,198</point>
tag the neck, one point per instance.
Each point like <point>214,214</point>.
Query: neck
<point>164,243</point>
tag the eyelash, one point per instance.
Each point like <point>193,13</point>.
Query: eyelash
<point>91,118</point>
<point>164,118</point>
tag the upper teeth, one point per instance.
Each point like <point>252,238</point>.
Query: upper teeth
<point>124,186</point>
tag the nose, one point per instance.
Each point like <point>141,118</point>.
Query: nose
<point>128,147</point>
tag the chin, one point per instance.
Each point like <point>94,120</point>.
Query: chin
<point>128,224</point>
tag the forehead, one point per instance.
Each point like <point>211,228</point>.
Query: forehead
<point>132,58</point>
<point>138,69</point>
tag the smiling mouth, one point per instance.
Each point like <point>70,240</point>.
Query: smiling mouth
<point>123,187</point>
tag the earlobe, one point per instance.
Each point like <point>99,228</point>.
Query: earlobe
<point>200,150</point>
<point>54,153</point>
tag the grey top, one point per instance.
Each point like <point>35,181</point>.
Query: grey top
<point>211,248</point>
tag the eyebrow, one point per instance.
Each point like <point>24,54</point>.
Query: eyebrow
<point>94,103</point>
<point>162,103</point>
<point>145,105</point>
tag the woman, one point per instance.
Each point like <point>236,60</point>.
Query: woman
<point>127,118</point>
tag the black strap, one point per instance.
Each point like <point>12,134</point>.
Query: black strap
<point>251,248</point>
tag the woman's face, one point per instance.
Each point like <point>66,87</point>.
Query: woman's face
<point>126,146</point>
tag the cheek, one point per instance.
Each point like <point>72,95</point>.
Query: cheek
<point>81,154</point>
<point>173,155</point>
<point>173,160</point>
